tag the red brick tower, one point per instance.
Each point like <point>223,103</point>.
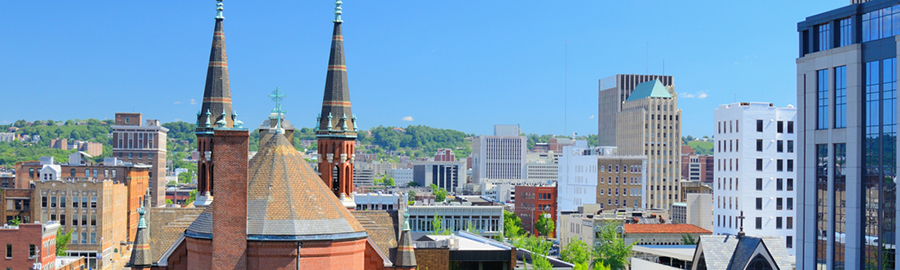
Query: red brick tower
<point>215,111</point>
<point>336,130</point>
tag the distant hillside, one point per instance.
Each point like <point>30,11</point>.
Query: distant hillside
<point>701,147</point>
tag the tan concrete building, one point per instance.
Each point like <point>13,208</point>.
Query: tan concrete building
<point>650,125</point>
<point>619,181</point>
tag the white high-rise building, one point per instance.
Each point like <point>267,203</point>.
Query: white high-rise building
<point>498,157</point>
<point>577,184</point>
<point>755,169</point>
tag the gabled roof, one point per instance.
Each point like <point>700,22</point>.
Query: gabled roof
<point>664,228</point>
<point>727,252</point>
<point>649,89</point>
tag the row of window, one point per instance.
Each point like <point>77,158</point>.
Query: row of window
<point>625,192</point>
<point>624,203</point>
<point>779,203</point>
<point>634,180</point>
<point>631,168</point>
<point>779,165</point>
<point>733,164</point>
<point>84,220</point>
<point>140,155</point>
<point>32,251</point>
<point>139,142</point>
<point>779,184</point>
<point>780,146</point>
<point>62,201</point>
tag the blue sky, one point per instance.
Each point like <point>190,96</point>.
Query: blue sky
<point>463,65</point>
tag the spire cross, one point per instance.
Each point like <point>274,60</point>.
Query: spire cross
<point>741,217</point>
<point>277,96</point>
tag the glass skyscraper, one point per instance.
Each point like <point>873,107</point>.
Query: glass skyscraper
<point>847,93</point>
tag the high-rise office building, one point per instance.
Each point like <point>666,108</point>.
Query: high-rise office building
<point>143,144</point>
<point>847,130</point>
<point>650,125</point>
<point>498,157</point>
<point>755,170</point>
<point>614,90</point>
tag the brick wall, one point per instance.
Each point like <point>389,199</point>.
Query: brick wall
<point>230,202</point>
<point>433,258</point>
<point>199,253</point>
<point>333,255</point>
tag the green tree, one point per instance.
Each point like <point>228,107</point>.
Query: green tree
<point>512,225</point>
<point>62,241</point>
<point>169,201</point>
<point>545,226</point>
<point>185,177</point>
<point>577,252</point>
<point>389,182</point>
<point>20,123</point>
<point>411,197</point>
<point>15,221</point>
<point>193,196</point>
<point>539,249</point>
<point>688,240</point>
<point>70,122</point>
<point>378,181</point>
<point>412,184</point>
<point>440,194</point>
<point>611,249</point>
<point>436,227</point>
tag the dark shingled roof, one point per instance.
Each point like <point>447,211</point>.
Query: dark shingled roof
<point>336,101</point>
<point>217,94</point>
<point>202,225</point>
<point>285,197</point>
<point>727,252</point>
<point>166,225</point>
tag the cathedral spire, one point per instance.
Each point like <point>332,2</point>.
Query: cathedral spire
<point>337,93</point>
<point>405,256</point>
<point>217,94</point>
<point>140,255</point>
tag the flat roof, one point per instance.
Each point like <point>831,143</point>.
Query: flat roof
<point>681,252</point>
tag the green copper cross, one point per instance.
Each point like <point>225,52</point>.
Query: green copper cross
<point>277,96</point>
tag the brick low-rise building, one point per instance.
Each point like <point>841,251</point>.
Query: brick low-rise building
<point>17,204</point>
<point>28,244</point>
<point>142,144</point>
<point>533,202</point>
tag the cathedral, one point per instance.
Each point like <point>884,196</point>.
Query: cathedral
<point>273,211</point>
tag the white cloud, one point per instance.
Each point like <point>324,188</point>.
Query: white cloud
<point>687,95</point>
<point>193,102</point>
<point>702,95</point>
<point>408,118</point>
<point>177,102</point>
<point>592,117</point>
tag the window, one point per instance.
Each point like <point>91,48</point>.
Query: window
<point>759,184</point>
<point>44,201</point>
<point>824,36</point>
<point>114,173</point>
<point>790,203</point>
<point>790,127</point>
<point>790,146</point>
<point>840,97</point>
<point>790,165</point>
<point>32,251</point>
<point>93,202</point>
<point>759,125</point>
<point>759,145</point>
<point>779,203</point>
<point>62,201</point>
<point>759,223</point>
<point>72,172</point>
<point>780,147</point>
<point>822,99</point>
<point>759,203</point>
<point>84,221</point>
<point>790,184</point>
<point>84,202</point>
<point>53,201</point>
<point>789,241</point>
<point>74,202</point>
<point>778,223</point>
<point>31,172</point>
<point>779,184</point>
<point>62,220</point>
<point>878,24</point>
<point>844,32</point>
<point>790,223</point>
<point>759,164</point>
<point>779,165</point>
<point>93,220</point>
<point>8,251</point>
<point>780,127</point>
<point>84,238</point>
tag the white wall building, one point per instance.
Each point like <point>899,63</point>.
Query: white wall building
<point>485,220</point>
<point>402,177</point>
<point>755,169</point>
<point>576,187</point>
<point>377,201</point>
<point>498,157</point>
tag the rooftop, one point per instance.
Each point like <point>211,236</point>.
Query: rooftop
<point>664,228</point>
<point>653,89</point>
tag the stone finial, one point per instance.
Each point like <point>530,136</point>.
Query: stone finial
<point>207,118</point>
<point>237,123</point>
<point>219,8</point>
<point>337,11</point>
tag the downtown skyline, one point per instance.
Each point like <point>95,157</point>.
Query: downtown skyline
<point>480,64</point>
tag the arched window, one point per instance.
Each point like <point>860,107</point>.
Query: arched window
<point>335,179</point>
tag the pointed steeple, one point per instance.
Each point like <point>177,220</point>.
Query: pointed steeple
<point>140,254</point>
<point>217,94</point>
<point>406,256</point>
<point>337,93</point>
